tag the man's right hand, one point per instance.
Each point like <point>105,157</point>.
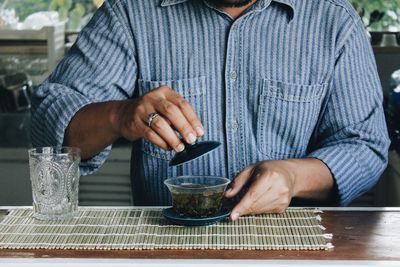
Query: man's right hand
<point>175,114</point>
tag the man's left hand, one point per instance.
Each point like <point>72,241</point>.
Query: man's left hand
<point>271,188</point>
<point>273,184</point>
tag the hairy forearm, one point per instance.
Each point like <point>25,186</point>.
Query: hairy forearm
<point>312,180</point>
<point>94,127</point>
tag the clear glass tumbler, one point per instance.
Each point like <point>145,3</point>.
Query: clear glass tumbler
<point>54,173</point>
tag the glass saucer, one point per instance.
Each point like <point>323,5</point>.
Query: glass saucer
<point>171,215</point>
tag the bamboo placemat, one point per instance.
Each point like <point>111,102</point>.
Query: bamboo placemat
<point>135,228</point>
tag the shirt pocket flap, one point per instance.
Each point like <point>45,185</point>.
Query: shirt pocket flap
<point>185,87</point>
<point>292,92</point>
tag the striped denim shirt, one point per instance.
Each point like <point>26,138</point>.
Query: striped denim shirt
<point>287,79</point>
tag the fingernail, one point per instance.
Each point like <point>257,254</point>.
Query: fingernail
<point>234,216</point>
<point>191,138</point>
<point>199,131</point>
<point>180,148</point>
<point>227,192</point>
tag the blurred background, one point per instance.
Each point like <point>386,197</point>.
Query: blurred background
<point>35,35</point>
<point>76,13</point>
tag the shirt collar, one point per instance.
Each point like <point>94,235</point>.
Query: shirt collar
<point>263,4</point>
<point>165,3</point>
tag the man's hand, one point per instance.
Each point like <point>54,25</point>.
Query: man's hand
<point>273,184</point>
<point>270,191</point>
<point>176,114</point>
<point>97,125</point>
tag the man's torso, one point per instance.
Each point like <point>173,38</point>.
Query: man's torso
<point>257,83</point>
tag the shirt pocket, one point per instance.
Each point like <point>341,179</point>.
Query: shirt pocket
<point>192,89</point>
<point>287,115</point>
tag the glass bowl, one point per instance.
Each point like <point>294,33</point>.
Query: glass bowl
<point>197,196</point>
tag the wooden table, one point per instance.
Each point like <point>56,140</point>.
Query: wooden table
<point>360,235</point>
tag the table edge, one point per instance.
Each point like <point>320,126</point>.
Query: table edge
<point>389,209</point>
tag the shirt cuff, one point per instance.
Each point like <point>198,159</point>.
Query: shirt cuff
<point>345,169</point>
<point>59,115</point>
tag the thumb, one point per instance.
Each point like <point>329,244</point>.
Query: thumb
<point>239,181</point>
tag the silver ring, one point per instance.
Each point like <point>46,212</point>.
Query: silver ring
<point>151,118</point>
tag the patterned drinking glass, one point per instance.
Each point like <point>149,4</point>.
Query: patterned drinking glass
<point>54,173</point>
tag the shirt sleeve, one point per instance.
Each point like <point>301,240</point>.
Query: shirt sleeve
<point>99,67</point>
<point>351,138</point>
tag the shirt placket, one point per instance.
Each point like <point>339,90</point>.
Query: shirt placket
<point>233,103</point>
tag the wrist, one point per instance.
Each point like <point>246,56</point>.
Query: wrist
<point>117,111</point>
<point>311,178</point>
<point>293,175</point>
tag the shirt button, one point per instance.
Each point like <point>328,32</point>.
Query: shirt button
<point>233,75</point>
<point>235,125</point>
